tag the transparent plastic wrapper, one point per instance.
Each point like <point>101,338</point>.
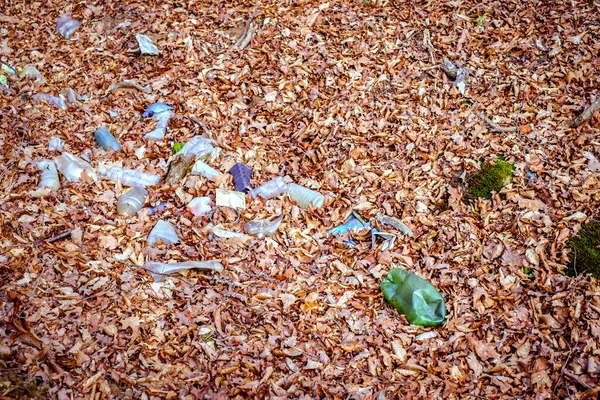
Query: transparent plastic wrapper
<point>87,155</point>
<point>161,127</point>
<point>200,206</point>
<point>106,140</point>
<point>242,174</point>
<point>132,201</point>
<point>353,222</point>
<point>164,231</point>
<point>160,268</point>
<point>200,147</point>
<point>129,177</point>
<point>66,26</point>
<point>49,174</point>
<point>72,167</point>
<point>56,144</point>
<point>270,189</point>
<point>205,170</point>
<point>156,108</point>
<point>396,224</point>
<point>146,45</point>
<point>262,227</point>
<point>304,196</point>
<point>54,100</point>
<point>414,297</point>
<point>231,198</point>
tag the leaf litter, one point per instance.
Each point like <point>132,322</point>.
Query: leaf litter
<point>347,100</point>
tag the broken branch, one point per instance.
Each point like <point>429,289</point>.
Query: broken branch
<point>587,113</point>
<point>246,36</point>
<point>496,127</point>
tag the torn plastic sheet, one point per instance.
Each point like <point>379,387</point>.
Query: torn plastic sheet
<point>146,45</point>
<point>388,239</point>
<point>66,26</point>
<point>354,222</point>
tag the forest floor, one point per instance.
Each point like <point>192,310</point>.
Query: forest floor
<point>346,98</point>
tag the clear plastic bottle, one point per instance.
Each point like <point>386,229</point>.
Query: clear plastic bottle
<point>262,227</point>
<point>205,170</point>
<point>106,140</point>
<point>49,174</point>
<point>304,196</point>
<point>164,231</point>
<point>200,206</point>
<point>72,166</point>
<point>161,127</point>
<point>270,189</point>
<point>129,177</point>
<point>199,146</point>
<point>132,201</point>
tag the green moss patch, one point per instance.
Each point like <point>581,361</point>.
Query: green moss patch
<point>491,178</point>
<point>585,251</point>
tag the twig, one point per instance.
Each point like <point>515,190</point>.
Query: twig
<point>562,370</point>
<point>496,127</point>
<point>246,36</point>
<point>571,375</point>
<point>587,113</point>
<point>59,236</point>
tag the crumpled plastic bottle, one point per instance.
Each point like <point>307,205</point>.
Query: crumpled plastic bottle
<point>262,227</point>
<point>414,297</point>
<point>205,170</point>
<point>131,201</point>
<point>304,196</point>
<point>49,174</point>
<point>106,140</point>
<point>156,108</point>
<point>72,167</point>
<point>270,189</point>
<point>129,177</point>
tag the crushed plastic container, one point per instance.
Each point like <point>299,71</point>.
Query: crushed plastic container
<point>414,297</point>
<point>49,174</point>
<point>242,174</point>
<point>66,26</point>
<point>304,197</point>
<point>132,201</point>
<point>388,239</point>
<point>72,167</point>
<point>164,231</point>
<point>56,144</point>
<point>106,140</point>
<point>230,198</point>
<point>262,227</point>
<point>200,206</point>
<point>200,147</point>
<point>156,108</point>
<point>270,189</point>
<point>161,127</point>
<point>129,177</point>
<point>146,45</point>
<point>203,169</point>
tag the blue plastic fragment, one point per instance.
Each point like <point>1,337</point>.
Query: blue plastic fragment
<point>531,176</point>
<point>156,108</point>
<point>350,243</point>
<point>354,222</point>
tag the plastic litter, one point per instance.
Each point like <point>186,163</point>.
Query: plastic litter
<point>72,167</point>
<point>354,222</point>
<point>72,97</point>
<point>106,140</point>
<point>49,174</point>
<point>8,70</point>
<point>458,74</point>
<point>262,227</point>
<point>156,108</point>
<point>200,147</point>
<point>304,197</point>
<point>230,198</point>
<point>388,239</point>
<point>242,174</point>
<point>146,45</point>
<point>132,201</point>
<point>414,297</point>
<point>227,234</point>
<point>56,144</point>
<point>30,71</point>
<point>205,170</point>
<point>211,217</point>
<point>270,189</point>
<point>131,84</point>
<point>164,231</point>
<point>129,177</point>
<point>161,127</point>
<point>66,26</point>
<point>159,207</point>
<point>54,100</point>
<point>396,224</point>
<point>160,268</point>
<point>200,206</point>
<point>87,155</point>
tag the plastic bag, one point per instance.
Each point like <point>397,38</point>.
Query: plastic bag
<point>414,297</point>
<point>66,25</point>
<point>54,100</point>
<point>354,222</point>
<point>146,45</point>
<point>158,269</point>
<point>164,231</point>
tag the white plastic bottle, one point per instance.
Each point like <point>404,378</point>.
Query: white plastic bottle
<point>304,196</point>
<point>49,174</point>
<point>129,177</point>
<point>132,201</point>
<point>270,189</point>
<point>72,167</point>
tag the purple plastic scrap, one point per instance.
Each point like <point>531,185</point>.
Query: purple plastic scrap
<point>242,174</point>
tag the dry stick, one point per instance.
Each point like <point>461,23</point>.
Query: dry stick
<point>496,127</point>
<point>587,113</point>
<point>246,36</point>
<point>576,379</point>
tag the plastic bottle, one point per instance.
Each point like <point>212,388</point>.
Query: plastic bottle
<point>106,140</point>
<point>129,177</point>
<point>132,201</point>
<point>161,127</point>
<point>205,170</point>
<point>262,227</point>
<point>199,146</point>
<point>72,166</point>
<point>156,108</point>
<point>49,174</point>
<point>270,189</point>
<point>242,174</point>
<point>200,206</point>
<point>304,197</point>
<point>164,231</point>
